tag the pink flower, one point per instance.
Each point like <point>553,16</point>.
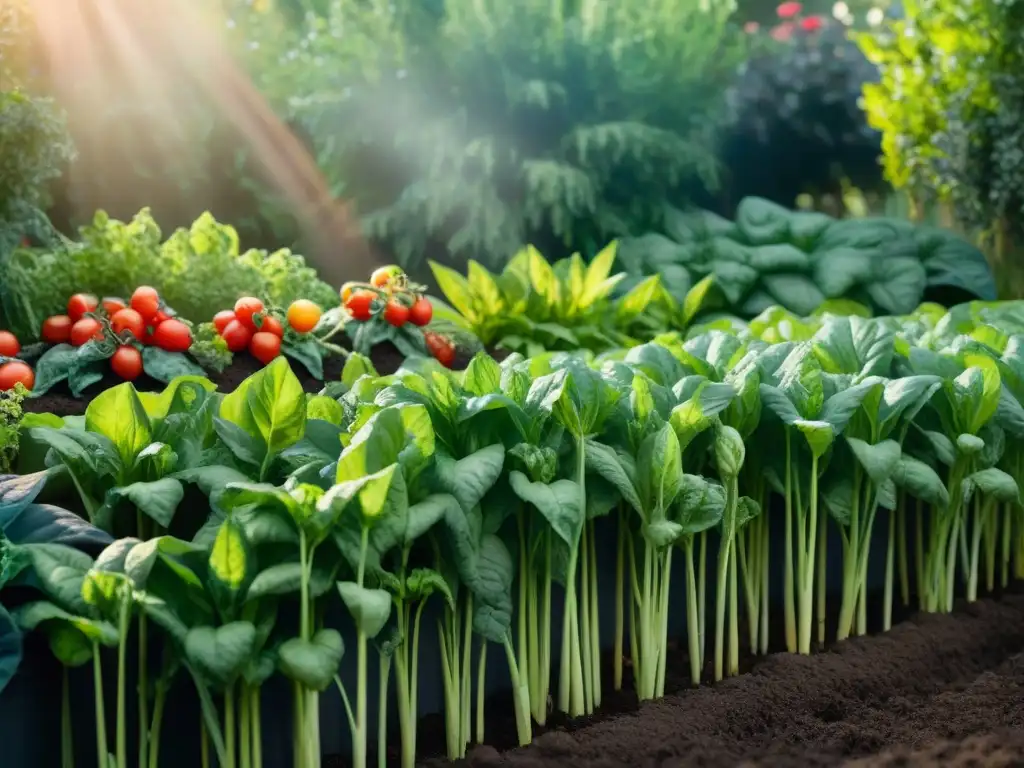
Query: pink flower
<point>788,10</point>
<point>751,27</point>
<point>812,23</point>
<point>783,31</point>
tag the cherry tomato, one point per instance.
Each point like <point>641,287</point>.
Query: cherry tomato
<point>421,312</point>
<point>86,329</point>
<point>347,290</point>
<point>264,346</point>
<point>146,301</point>
<point>128,320</point>
<point>236,335</point>
<point>396,313</point>
<point>442,349</point>
<point>272,325</point>
<point>221,320</point>
<point>127,363</point>
<point>173,336</point>
<point>245,308</point>
<point>57,329</point>
<point>16,372</point>
<point>158,318</point>
<point>303,315</point>
<point>9,346</point>
<point>383,275</point>
<point>358,304</point>
<point>81,303</point>
<point>112,306</point>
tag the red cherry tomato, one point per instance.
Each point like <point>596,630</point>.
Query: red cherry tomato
<point>396,313</point>
<point>112,306</point>
<point>80,304</point>
<point>421,312</point>
<point>264,346</point>
<point>221,320</point>
<point>9,346</point>
<point>158,318</point>
<point>303,315</point>
<point>442,349</point>
<point>173,336</point>
<point>16,372</point>
<point>272,325</point>
<point>245,308</point>
<point>146,301</point>
<point>86,329</point>
<point>57,329</point>
<point>127,363</point>
<point>128,320</point>
<point>236,335</point>
<point>359,303</point>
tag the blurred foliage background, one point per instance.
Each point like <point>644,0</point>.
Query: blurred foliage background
<point>466,129</point>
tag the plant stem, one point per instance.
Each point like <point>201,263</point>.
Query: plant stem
<point>359,737</point>
<point>383,672</point>
<point>244,723</point>
<point>257,735</point>
<point>733,667</point>
<point>595,624</point>
<point>789,586</point>
<point>481,690</point>
<point>807,551</point>
<point>230,734</point>
<point>821,574</point>
<point>887,598</point>
<point>204,745</point>
<point>901,549</point>
<point>620,624</point>
<point>722,582</point>
<point>144,734</point>
<point>692,619</point>
<point>520,697</point>
<point>702,588</point>
<point>158,719</point>
<point>122,674</point>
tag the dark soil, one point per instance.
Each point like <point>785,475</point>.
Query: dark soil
<point>936,690</point>
<point>385,357</point>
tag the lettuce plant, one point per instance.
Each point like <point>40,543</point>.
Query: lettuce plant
<point>484,491</point>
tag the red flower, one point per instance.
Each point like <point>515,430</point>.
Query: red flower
<point>788,10</point>
<point>812,23</point>
<point>783,31</point>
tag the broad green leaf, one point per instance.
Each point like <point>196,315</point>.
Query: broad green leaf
<point>118,414</point>
<point>659,471</point>
<point>819,435</point>
<point>605,462</point>
<point>558,502</point>
<point>880,460</point>
<point>456,290</point>
<point>314,662</point>
<point>229,559</point>
<point>921,481</point>
<point>158,500</point>
<point>730,451</point>
<point>221,653</point>
<point>997,484</point>
<point>482,375</point>
<point>699,505</point>
<point>470,478</point>
<point>370,608</point>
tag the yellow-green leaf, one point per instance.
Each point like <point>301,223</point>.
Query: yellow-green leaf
<point>455,288</point>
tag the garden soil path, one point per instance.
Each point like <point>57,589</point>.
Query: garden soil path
<point>936,690</point>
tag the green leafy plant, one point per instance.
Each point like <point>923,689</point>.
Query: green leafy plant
<point>487,490</point>
<point>564,124</point>
<point>535,305</point>
<point>198,271</point>
<point>802,260</point>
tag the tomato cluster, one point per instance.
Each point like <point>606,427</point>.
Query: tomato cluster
<point>13,372</point>
<point>142,320</point>
<point>389,293</point>
<point>391,296</point>
<point>250,325</point>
